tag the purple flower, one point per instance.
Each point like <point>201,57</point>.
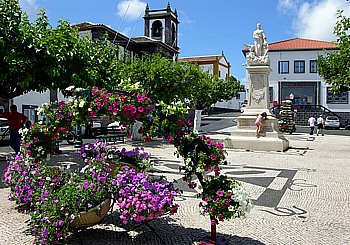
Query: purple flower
<point>86,184</point>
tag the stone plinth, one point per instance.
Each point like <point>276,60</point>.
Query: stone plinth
<point>244,137</point>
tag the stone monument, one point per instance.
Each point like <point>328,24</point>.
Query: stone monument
<point>258,70</point>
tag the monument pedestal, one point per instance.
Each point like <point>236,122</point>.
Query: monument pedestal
<point>258,102</point>
<point>244,137</point>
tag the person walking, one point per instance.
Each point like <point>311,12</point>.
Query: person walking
<point>320,125</point>
<point>312,122</point>
<point>16,121</point>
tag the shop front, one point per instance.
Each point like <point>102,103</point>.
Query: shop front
<point>300,93</point>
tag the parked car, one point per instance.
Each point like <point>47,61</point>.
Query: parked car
<point>243,107</point>
<point>4,129</point>
<point>332,122</point>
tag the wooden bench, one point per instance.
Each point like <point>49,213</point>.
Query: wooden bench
<point>107,134</point>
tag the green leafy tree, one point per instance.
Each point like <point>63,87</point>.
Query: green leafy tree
<point>210,89</point>
<point>14,48</point>
<point>334,67</point>
<point>36,56</point>
<point>163,79</point>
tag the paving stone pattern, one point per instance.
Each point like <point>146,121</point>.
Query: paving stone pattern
<point>301,196</point>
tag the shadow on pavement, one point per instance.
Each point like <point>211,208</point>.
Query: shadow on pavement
<point>171,234</point>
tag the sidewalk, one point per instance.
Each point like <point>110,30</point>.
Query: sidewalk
<point>302,196</point>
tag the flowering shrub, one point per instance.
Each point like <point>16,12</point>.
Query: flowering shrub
<point>56,114</point>
<point>39,141</point>
<point>137,157</point>
<point>55,202</point>
<point>201,154</point>
<point>81,192</point>
<point>168,121</point>
<point>126,108</point>
<point>29,181</point>
<point>141,197</point>
<point>224,198</point>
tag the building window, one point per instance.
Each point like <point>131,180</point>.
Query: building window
<point>271,93</point>
<point>31,112</point>
<point>334,98</point>
<point>173,35</point>
<point>299,66</point>
<point>157,29</point>
<point>313,66</point>
<point>283,67</point>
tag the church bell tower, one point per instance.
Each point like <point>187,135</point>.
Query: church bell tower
<point>162,25</point>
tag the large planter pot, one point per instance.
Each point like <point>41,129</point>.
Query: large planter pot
<point>92,217</point>
<point>115,165</point>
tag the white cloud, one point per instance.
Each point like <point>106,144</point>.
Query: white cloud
<point>185,19</point>
<point>314,19</point>
<point>288,6</point>
<point>30,7</point>
<point>132,9</point>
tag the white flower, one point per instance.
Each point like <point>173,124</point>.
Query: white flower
<point>70,88</point>
<point>231,208</point>
<point>40,110</point>
<point>84,168</point>
<point>81,104</point>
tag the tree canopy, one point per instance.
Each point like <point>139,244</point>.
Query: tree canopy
<point>334,67</point>
<point>34,56</point>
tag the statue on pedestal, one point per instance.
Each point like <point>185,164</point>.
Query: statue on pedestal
<point>258,71</point>
<point>258,52</point>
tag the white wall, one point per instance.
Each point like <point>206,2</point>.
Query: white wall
<point>233,104</point>
<point>308,55</point>
<point>208,68</point>
<point>35,99</point>
<point>223,72</point>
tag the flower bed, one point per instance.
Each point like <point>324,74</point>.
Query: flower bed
<point>54,202</point>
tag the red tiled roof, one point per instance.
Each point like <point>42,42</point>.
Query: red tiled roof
<point>300,43</point>
<point>201,58</point>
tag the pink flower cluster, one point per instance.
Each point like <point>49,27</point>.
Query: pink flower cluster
<point>126,108</point>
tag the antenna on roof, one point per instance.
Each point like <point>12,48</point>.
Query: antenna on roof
<point>115,37</point>
<point>126,47</point>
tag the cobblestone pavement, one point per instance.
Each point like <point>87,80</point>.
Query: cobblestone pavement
<point>301,196</point>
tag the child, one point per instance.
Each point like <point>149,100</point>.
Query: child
<point>259,123</point>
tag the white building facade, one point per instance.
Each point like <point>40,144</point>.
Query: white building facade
<point>294,76</point>
<point>219,66</point>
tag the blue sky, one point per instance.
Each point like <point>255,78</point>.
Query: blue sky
<point>207,27</point>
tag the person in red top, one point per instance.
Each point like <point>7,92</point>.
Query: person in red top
<point>16,121</point>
